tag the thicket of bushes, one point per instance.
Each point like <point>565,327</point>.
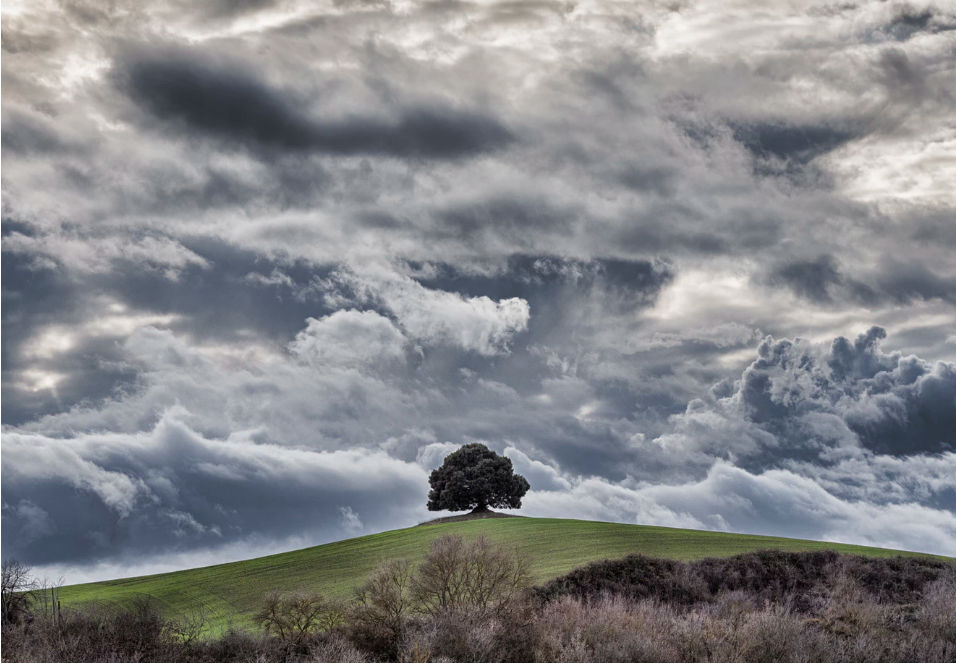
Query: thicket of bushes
<point>474,602</point>
<point>764,576</point>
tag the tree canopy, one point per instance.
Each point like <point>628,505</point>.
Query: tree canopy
<point>475,478</point>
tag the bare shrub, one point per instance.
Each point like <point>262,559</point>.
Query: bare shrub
<point>772,576</point>
<point>97,633</point>
<point>847,622</point>
<point>294,616</point>
<point>474,598</point>
<point>773,634</point>
<point>335,648</point>
<point>189,628</point>
<point>466,601</point>
<point>18,589</point>
<point>937,612</point>
<point>138,629</point>
<point>382,609</point>
<point>233,646</point>
<point>605,629</point>
<point>475,577</point>
<point>635,577</point>
<point>472,635</point>
<point>451,637</point>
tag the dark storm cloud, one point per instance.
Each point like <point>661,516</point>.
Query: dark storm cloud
<point>823,280</point>
<point>905,282</point>
<point>511,217</point>
<point>643,178</point>
<point>232,7</point>
<point>901,74</point>
<point>33,299</point>
<point>656,238</point>
<point>800,144</point>
<point>209,493</point>
<point>933,227</point>
<point>635,281</point>
<point>894,404</point>
<point>225,101</point>
<point>222,304</point>
<point>910,21</point>
<point>812,279</point>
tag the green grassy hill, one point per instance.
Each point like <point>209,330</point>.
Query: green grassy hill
<point>229,593</point>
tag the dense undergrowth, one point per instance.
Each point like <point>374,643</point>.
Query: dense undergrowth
<point>473,602</point>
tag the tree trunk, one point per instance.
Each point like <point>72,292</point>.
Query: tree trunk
<point>480,509</point>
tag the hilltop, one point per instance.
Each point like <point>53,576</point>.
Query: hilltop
<point>231,592</point>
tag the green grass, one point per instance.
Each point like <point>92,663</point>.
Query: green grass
<point>229,593</point>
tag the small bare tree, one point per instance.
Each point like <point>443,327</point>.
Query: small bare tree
<point>384,598</point>
<point>382,607</point>
<point>294,616</point>
<point>477,576</point>
<point>17,590</point>
<point>335,615</point>
<point>189,628</point>
<point>458,586</point>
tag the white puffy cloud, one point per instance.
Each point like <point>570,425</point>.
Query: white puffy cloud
<point>349,339</point>
<point>351,522</point>
<point>436,317</point>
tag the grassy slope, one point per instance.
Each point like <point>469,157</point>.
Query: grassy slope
<point>231,591</point>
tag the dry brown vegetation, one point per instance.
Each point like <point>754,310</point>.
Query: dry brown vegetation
<point>293,617</point>
<point>473,601</point>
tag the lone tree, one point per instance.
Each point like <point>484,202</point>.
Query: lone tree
<point>475,478</point>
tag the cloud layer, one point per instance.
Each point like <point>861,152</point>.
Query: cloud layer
<point>265,264</point>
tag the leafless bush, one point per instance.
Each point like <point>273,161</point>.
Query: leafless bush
<point>467,601</point>
<point>382,609</point>
<point>606,629</point>
<point>189,628</point>
<point>293,617</point>
<point>234,646</point>
<point>335,648</point>
<point>95,633</point>
<point>472,635</point>
<point>18,591</point>
<point>477,577</point>
<point>937,612</point>
<point>140,628</point>
<point>848,624</point>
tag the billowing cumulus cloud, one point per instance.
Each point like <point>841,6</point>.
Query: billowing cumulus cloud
<point>891,403</point>
<point>434,316</point>
<point>266,263</point>
<point>349,338</point>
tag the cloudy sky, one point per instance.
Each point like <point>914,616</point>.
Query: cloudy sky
<point>265,262</point>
